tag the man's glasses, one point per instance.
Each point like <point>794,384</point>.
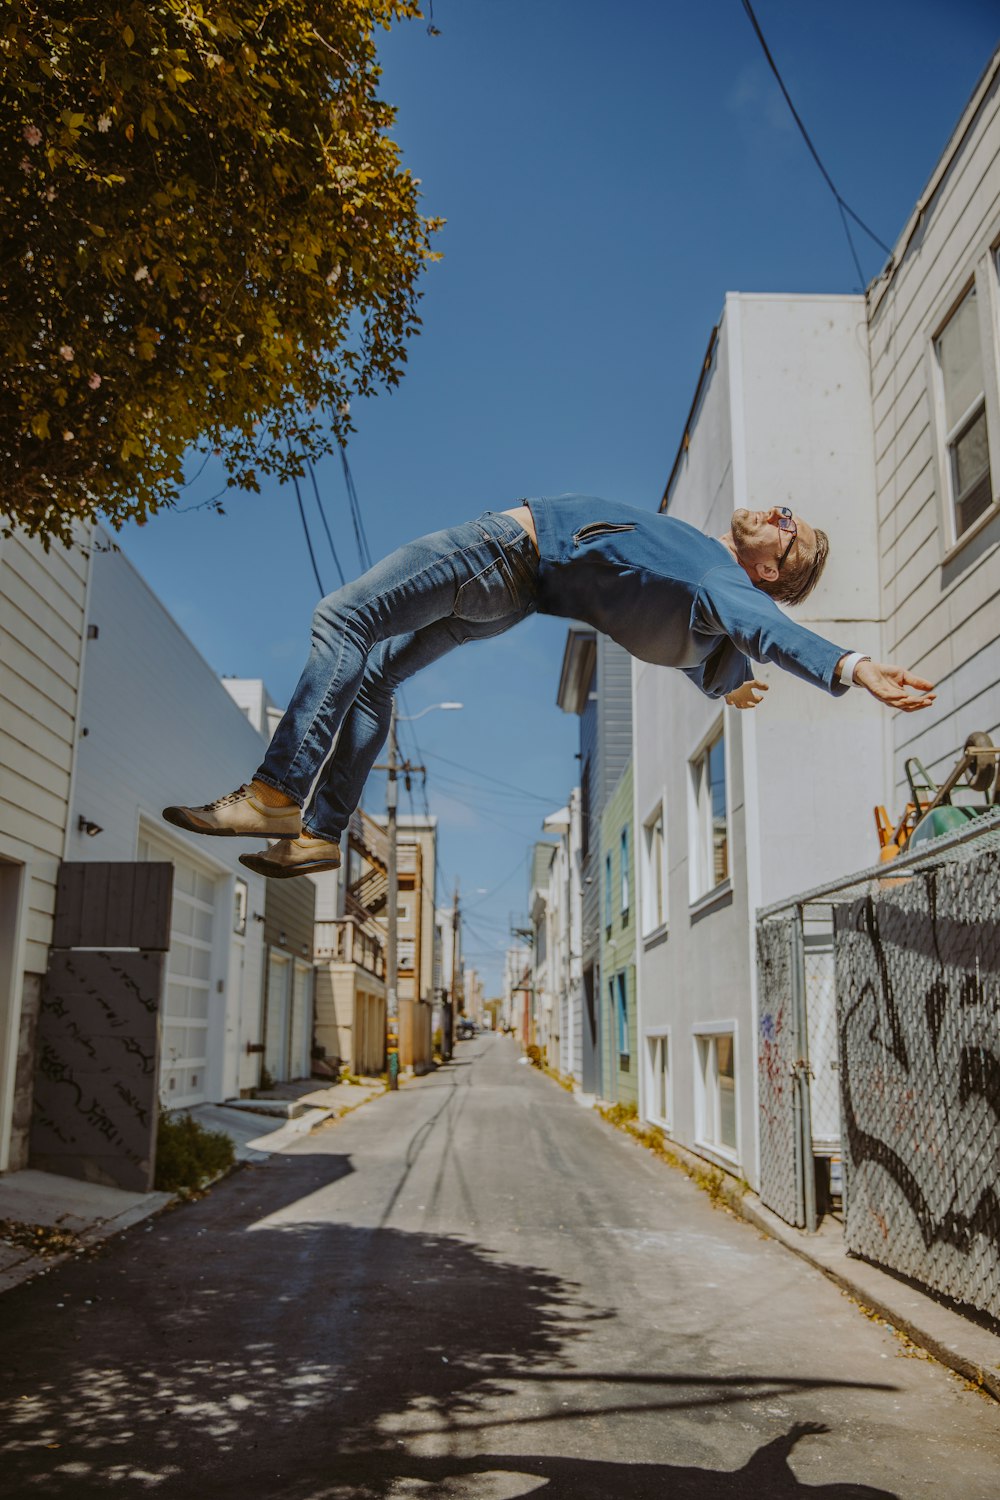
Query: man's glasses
<point>786,522</point>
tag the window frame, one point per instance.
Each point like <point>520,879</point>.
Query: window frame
<point>622,1032</point>
<point>654,914</point>
<point>624,876</point>
<point>984,278</point>
<point>707,1094</point>
<point>702,884</point>
<point>609,917</point>
<point>660,1037</point>
<point>241,906</point>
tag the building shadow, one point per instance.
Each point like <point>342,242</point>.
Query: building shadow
<point>261,1341</point>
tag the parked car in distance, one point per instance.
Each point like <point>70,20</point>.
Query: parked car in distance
<point>466,1029</point>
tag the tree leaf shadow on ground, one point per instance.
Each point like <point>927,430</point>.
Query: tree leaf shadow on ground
<point>250,1343</point>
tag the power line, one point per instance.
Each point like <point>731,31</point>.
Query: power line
<point>500,883</point>
<point>509,785</point>
<point>305,528</point>
<point>844,207</point>
<point>322,516</point>
<point>356,518</point>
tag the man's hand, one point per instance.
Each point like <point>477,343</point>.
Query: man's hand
<point>892,685</point>
<point>743,697</point>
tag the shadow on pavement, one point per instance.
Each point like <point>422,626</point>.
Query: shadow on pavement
<point>767,1476</point>
<point>250,1343</point>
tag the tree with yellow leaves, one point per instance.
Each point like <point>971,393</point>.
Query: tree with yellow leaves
<point>210,242</point>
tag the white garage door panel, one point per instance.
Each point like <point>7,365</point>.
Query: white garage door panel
<point>301,1028</point>
<point>276,1031</point>
<point>184,1035</point>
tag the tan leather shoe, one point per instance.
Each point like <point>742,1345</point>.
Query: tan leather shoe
<point>294,857</point>
<point>238,815</point>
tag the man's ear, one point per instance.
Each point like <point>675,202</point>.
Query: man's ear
<point>766,571</point>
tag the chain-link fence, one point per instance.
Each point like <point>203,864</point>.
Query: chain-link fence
<point>916,954</point>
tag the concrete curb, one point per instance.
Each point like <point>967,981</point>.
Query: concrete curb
<point>954,1340</point>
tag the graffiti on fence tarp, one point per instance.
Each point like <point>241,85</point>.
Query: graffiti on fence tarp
<point>918,983</point>
<point>97,1063</point>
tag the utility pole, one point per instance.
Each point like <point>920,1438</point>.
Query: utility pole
<point>449,1016</point>
<point>393,768</point>
<point>391,956</point>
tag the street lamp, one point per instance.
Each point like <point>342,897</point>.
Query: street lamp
<point>391,959</point>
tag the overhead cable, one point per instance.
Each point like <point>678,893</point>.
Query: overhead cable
<point>305,529</point>
<point>322,516</point>
<point>510,787</point>
<point>352,499</point>
<point>844,207</point>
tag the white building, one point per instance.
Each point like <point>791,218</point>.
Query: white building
<point>545,1002</point>
<point>560,905</point>
<point>157,727</point>
<point>733,811</point>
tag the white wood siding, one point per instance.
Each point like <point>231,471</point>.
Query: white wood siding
<point>42,623</point>
<point>942,602</point>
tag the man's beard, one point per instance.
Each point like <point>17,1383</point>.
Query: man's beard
<point>743,529</point>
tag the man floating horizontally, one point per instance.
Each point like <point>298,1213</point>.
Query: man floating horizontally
<point>661,589</point>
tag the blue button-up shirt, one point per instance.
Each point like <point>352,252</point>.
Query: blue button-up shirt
<point>669,594</point>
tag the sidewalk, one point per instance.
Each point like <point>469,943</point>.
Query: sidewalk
<point>45,1218</point>
<point>968,1347</point>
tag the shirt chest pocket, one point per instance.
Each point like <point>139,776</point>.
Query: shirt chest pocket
<point>595,530</point>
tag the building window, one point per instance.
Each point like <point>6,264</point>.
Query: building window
<point>405,953</point>
<point>585,809</point>
<point>403,911</point>
<point>624,1045</point>
<point>607,893</point>
<point>709,823</point>
<point>960,362</point>
<point>654,885</point>
<point>623,857</point>
<point>658,1079</point>
<point>716,1091</point>
<point>240,908</point>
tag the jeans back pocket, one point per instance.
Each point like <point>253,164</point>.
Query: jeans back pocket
<point>489,595</point>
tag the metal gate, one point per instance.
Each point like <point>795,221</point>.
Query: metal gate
<point>779,1024</point>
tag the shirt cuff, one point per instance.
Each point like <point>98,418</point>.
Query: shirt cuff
<point>848,666</point>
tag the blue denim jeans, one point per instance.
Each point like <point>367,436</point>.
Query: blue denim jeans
<point>463,584</point>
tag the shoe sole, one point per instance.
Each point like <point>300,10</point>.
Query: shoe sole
<point>262,866</point>
<point>180,818</point>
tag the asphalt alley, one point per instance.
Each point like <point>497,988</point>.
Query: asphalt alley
<point>472,1288</point>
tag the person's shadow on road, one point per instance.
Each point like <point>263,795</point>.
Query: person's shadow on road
<point>766,1476</point>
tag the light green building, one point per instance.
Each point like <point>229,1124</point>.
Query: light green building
<point>618,1000</point>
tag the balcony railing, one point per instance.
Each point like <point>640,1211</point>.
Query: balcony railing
<point>351,940</point>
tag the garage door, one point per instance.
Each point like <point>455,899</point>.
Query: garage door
<point>279,974</point>
<point>301,1058</point>
<point>184,1033</point>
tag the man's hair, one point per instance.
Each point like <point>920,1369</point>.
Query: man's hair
<point>797,579</point>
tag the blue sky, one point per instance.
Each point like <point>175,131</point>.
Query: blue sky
<point>608,172</point>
